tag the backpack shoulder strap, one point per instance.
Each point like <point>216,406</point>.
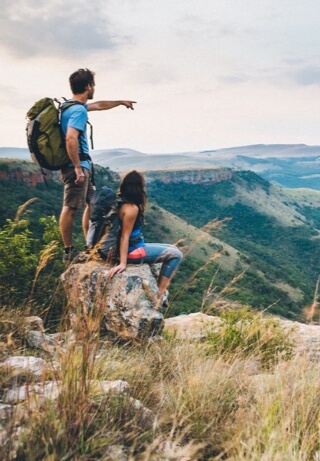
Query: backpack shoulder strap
<point>68,103</point>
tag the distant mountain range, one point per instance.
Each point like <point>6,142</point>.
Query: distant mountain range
<point>290,165</point>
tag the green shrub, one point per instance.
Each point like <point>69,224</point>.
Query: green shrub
<point>247,333</point>
<point>23,258</point>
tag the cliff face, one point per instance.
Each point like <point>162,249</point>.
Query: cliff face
<point>194,176</point>
<point>30,175</point>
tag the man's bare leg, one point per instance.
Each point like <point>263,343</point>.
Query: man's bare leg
<point>66,222</point>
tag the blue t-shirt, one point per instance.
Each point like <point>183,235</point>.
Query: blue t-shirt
<point>76,116</point>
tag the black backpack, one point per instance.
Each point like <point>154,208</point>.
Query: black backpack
<point>104,232</point>
<point>45,138</point>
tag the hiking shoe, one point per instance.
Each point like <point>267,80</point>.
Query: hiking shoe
<point>162,301</point>
<point>165,301</point>
<point>71,256</point>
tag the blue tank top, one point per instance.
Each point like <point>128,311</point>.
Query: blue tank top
<point>136,239</point>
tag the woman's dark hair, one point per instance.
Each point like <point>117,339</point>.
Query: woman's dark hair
<point>132,189</point>
<point>80,79</point>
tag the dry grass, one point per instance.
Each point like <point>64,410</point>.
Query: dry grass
<point>240,394</point>
<point>209,403</point>
<point>284,417</point>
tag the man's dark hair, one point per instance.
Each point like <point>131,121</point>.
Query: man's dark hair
<point>80,79</point>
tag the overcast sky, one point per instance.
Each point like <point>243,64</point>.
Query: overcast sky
<point>205,74</point>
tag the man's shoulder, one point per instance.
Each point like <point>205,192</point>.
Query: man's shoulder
<point>76,114</point>
<point>74,106</point>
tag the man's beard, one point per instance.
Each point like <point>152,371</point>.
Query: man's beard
<point>90,95</point>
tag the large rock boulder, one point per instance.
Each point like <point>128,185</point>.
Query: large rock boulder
<point>124,305</point>
<point>194,326</point>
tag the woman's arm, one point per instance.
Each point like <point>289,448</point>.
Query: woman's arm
<point>128,214</point>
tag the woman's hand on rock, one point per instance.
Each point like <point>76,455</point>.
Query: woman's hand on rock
<point>116,270</point>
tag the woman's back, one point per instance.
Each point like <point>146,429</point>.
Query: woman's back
<point>127,212</point>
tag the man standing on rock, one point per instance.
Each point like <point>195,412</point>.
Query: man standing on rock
<point>77,176</point>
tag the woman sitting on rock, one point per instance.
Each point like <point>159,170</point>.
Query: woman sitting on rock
<point>133,249</point>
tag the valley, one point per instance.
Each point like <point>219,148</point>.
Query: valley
<point>236,229</point>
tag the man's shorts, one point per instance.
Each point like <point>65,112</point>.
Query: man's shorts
<point>76,195</point>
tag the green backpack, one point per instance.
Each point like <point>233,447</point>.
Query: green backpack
<point>46,140</point>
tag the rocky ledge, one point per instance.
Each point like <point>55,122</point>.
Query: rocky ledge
<point>124,306</point>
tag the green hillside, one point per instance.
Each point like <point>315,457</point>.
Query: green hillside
<point>275,231</point>
<point>244,239</point>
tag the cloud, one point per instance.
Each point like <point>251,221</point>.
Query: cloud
<point>154,74</point>
<point>300,72</point>
<point>292,73</point>
<point>236,78</point>
<point>192,26</point>
<point>59,27</point>
<point>8,94</point>
<point>307,76</point>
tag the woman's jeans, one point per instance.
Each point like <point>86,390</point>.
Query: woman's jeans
<point>168,255</point>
